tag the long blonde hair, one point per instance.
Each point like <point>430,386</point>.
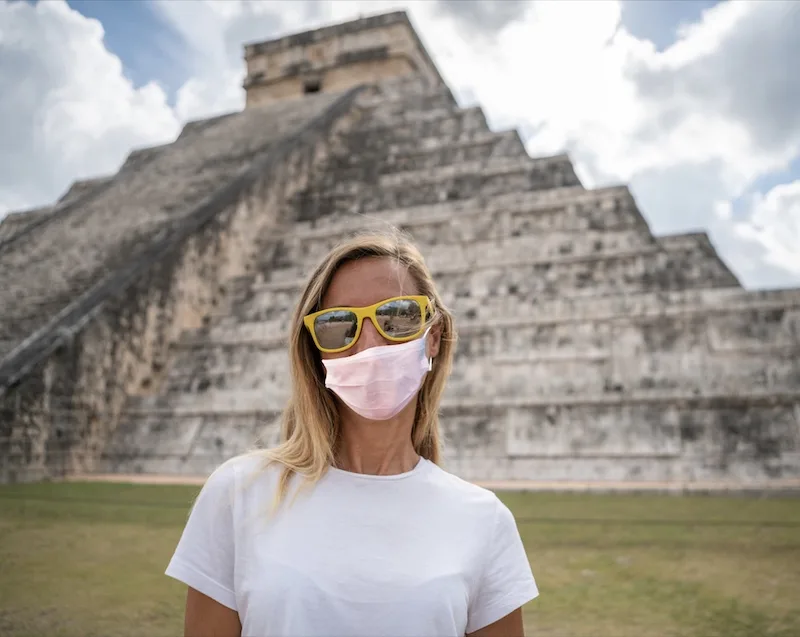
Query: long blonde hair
<point>310,422</point>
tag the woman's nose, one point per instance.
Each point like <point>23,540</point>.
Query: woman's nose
<point>370,337</point>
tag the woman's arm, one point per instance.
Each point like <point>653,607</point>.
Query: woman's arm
<point>509,626</point>
<point>206,617</point>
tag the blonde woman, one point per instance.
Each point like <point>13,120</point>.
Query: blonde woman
<point>349,527</point>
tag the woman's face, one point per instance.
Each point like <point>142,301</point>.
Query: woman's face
<point>364,282</point>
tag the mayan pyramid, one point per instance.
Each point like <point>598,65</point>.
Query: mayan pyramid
<point>144,314</point>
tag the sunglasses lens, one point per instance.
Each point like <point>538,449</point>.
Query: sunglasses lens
<point>401,318</point>
<point>335,329</point>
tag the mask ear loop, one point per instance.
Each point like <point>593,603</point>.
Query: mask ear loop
<point>425,338</point>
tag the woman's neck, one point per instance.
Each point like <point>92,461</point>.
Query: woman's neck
<point>377,448</point>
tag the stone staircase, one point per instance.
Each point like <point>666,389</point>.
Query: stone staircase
<point>98,230</point>
<point>588,349</point>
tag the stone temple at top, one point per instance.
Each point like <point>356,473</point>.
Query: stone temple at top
<point>143,315</point>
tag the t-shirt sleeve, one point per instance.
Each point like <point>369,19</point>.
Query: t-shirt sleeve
<point>204,558</point>
<point>506,582</point>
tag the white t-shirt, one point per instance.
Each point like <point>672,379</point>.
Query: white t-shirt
<point>419,554</point>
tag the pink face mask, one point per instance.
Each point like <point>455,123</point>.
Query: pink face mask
<point>380,381</point>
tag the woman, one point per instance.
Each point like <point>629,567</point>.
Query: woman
<point>349,527</point>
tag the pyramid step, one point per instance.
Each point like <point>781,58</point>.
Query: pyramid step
<point>762,308</point>
<point>551,409</point>
<point>430,153</point>
<point>703,399</point>
<point>664,371</point>
<point>631,328</point>
<point>636,271</point>
<point>605,437</point>
<point>426,99</point>
<point>458,404</point>
<point>17,223</point>
<point>567,208</point>
<point>215,366</point>
<point>160,443</point>
<point>448,183</point>
<point>453,254</point>
<point>498,379</point>
<point>447,243</point>
<point>353,152</point>
<point>552,172</point>
<point>734,319</point>
<point>662,436</point>
<point>415,109</point>
<point>269,396</point>
<point>401,88</point>
<point>446,125</point>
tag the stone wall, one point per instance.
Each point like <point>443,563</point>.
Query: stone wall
<point>158,248</point>
<point>336,58</point>
<point>588,348</point>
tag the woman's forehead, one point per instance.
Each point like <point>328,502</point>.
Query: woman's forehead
<point>367,281</point>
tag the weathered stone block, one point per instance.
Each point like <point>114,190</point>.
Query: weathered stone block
<point>589,350</point>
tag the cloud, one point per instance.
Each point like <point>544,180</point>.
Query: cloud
<point>731,71</point>
<point>66,109</point>
<point>774,224</point>
<point>484,16</point>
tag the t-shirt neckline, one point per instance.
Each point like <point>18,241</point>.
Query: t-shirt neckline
<point>352,475</point>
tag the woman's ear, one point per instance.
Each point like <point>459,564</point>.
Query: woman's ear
<point>434,340</point>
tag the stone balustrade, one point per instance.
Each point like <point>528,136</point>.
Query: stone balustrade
<point>63,257</point>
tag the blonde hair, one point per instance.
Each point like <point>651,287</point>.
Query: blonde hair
<point>310,422</point>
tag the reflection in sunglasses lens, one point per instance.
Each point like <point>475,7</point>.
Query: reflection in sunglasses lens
<point>335,329</point>
<point>399,318</point>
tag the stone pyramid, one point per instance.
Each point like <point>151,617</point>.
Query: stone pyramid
<point>144,314</point>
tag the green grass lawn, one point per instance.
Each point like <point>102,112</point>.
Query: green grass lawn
<point>78,560</point>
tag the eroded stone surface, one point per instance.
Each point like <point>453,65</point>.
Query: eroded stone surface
<point>588,349</point>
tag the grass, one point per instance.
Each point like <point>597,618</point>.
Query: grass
<point>83,560</point>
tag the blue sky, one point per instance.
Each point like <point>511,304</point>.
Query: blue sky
<point>149,48</point>
<point>659,20</point>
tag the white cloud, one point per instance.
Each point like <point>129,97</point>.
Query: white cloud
<point>774,224</point>
<point>66,109</point>
<point>691,127</point>
<point>723,210</point>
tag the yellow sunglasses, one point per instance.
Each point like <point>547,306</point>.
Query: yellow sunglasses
<point>399,319</point>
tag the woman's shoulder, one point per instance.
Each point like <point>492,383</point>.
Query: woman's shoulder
<point>468,494</point>
<point>244,473</point>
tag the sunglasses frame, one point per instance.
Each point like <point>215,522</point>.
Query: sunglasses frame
<point>369,312</point>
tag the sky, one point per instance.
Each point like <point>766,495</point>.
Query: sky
<point>694,104</point>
